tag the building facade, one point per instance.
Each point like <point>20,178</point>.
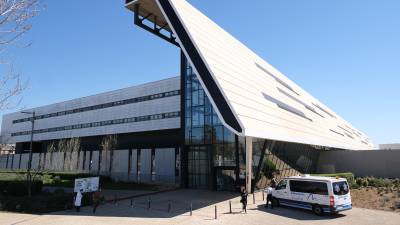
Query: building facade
<point>231,117</point>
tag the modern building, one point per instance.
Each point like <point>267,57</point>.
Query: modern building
<point>232,118</point>
<point>389,146</point>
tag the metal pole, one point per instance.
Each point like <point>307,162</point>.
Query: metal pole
<point>31,144</point>
<point>149,204</point>
<point>230,207</point>
<point>28,171</point>
<point>191,208</point>
<point>131,203</point>
<point>215,211</point>
<point>263,194</point>
<point>254,198</point>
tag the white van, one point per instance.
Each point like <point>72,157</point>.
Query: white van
<point>319,194</point>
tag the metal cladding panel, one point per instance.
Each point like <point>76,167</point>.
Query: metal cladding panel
<point>149,107</point>
<point>264,102</point>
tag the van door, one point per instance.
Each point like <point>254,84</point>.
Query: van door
<point>341,193</point>
<point>281,191</point>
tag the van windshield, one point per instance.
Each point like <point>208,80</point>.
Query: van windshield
<point>340,188</point>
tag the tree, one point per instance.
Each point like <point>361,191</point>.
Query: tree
<point>15,17</point>
<point>73,145</point>
<point>108,145</point>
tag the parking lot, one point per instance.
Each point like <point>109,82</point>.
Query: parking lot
<point>174,208</point>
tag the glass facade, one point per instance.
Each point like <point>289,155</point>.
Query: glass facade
<point>216,158</point>
<point>211,147</point>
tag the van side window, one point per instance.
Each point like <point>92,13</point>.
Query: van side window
<point>281,185</point>
<point>311,187</point>
<point>340,188</point>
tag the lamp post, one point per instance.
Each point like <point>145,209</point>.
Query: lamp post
<point>28,172</point>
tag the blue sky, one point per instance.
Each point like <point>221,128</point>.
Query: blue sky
<point>345,53</point>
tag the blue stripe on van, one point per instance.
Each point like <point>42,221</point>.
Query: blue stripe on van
<point>300,204</point>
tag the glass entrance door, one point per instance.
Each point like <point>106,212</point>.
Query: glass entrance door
<point>198,167</point>
<point>225,178</point>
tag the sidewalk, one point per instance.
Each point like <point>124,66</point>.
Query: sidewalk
<point>204,203</point>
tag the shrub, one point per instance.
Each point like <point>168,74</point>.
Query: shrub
<point>269,168</point>
<point>36,204</point>
<point>20,188</point>
<point>379,182</point>
<point>348,176</point>
<point>365,182</point>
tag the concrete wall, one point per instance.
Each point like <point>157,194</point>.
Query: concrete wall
<point>133,171</point>
<point>3,161</point>
<point>165,170</point>
<point>145,165</point>
<point>385,164</point>
<point>95,162</point>
<point>15,164</point>
<point>121,170</point>
<point>120,165</point>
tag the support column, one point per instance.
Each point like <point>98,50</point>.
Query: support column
<point>249,157</point>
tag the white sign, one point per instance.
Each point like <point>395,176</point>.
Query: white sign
<point>89,184</point>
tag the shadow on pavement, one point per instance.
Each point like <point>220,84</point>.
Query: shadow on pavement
<point>297,214</point>
<point>162,205</point>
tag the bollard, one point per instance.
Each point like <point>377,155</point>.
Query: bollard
<point>254,199</point>
<point>230,207</point>
<point>215,211</point>
<point>131,203</point>
<point>169,206</point>
<point>191,208</point>
<point>149,204</point>
<point>263,194</point>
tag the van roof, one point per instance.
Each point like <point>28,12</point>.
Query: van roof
<point>308,177</point>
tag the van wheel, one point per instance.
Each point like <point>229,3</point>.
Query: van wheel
<point>318,210</point>
<point>275,202</point>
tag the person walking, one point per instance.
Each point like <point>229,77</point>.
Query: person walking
<point>268,190</point>
<point>78,200</point>
<point>243,200</point>
<point>96,197</point>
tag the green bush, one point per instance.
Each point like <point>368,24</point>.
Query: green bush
<point>19,187</point>
<point>379,182</point>
<point>269,168</point>
<point>36,204</point>
<point>349,177</point>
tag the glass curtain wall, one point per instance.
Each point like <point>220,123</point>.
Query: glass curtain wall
<point>210,147</point>
<point>215,157</point>
<point>276,160</point>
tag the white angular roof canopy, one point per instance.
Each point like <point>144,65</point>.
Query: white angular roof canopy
<point>251,97</point>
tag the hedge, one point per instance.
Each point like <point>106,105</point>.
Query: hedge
<point>19,187</point>
<point>44,203</point>
<point>349,176</point>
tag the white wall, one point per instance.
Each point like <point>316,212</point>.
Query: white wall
<point>156,106</point>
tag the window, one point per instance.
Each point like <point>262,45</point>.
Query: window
<point>138,164</point>
<point>325,111</point>
<point>336,132</point>
<point>281,185</point>
<point>286,107</point>
<point>277,79</point>
<point>340,188</point>
<point>312,187</point>
<point>153,164</point>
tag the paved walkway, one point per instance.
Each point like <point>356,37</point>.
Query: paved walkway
<point>203,204</point>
